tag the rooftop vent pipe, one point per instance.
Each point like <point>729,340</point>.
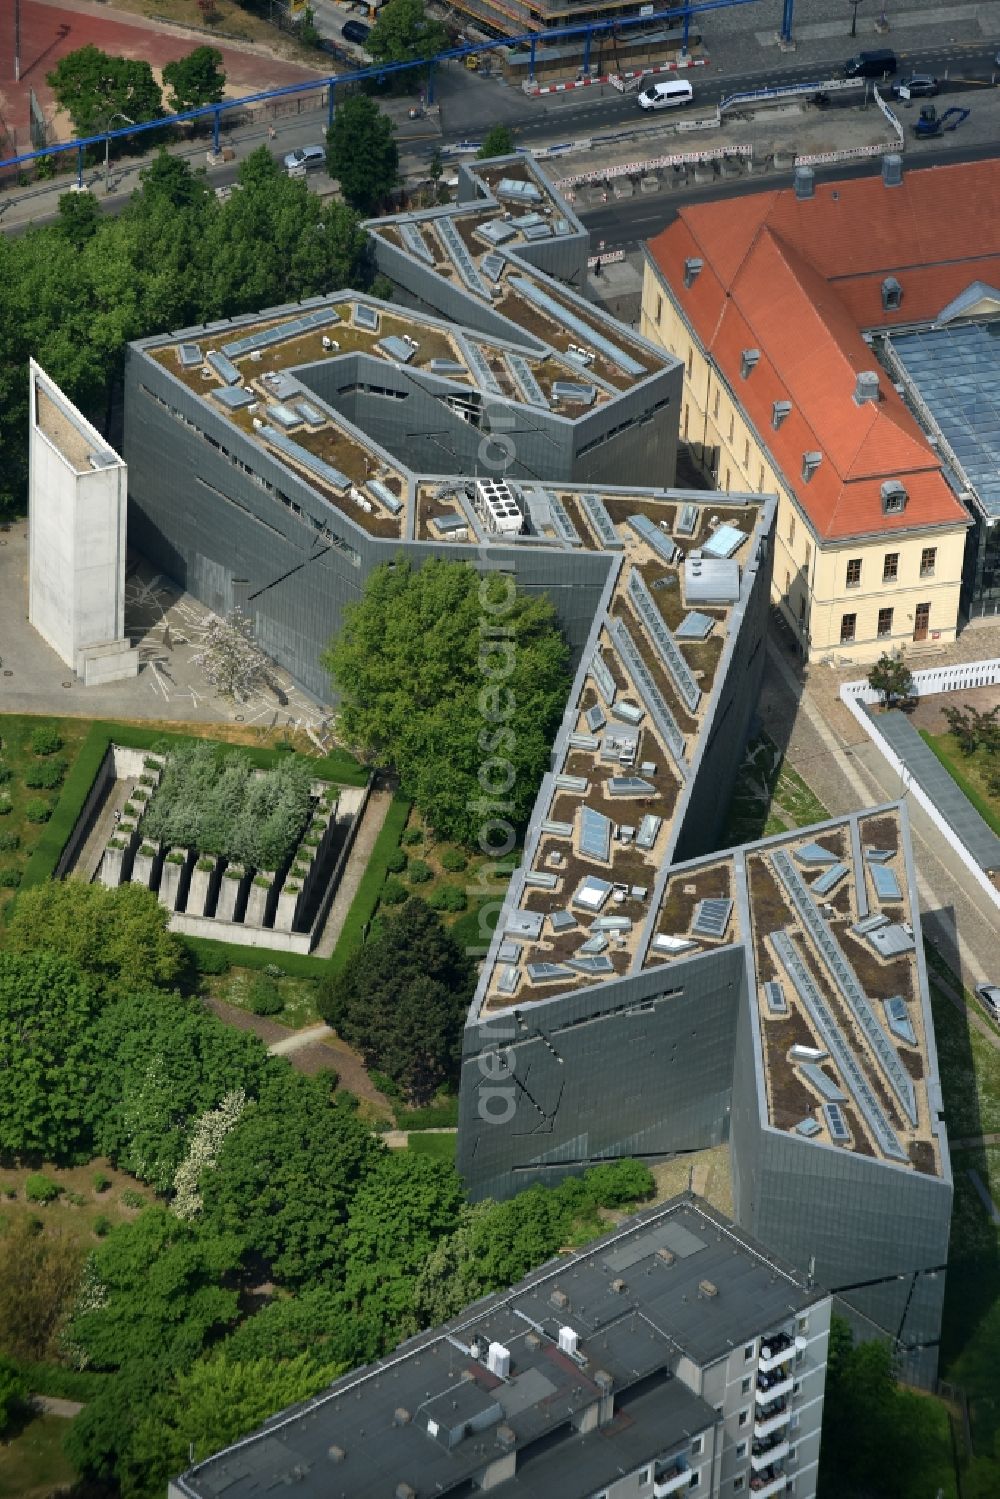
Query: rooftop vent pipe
<point>866,387</point>
<point>892,169</point>
<point>805,182</point>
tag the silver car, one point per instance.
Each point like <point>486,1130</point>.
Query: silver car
<point>989,994</point>
<point>304,159</point>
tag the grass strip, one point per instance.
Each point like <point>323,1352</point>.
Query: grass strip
<point>369,890</point>
<point>982,806</point>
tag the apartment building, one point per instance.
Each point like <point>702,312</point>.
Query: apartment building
<point>792,311</point>
<point>674,1355</point>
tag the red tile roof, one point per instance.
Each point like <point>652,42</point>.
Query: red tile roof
<point>799,280</point>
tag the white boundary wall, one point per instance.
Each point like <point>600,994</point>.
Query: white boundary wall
<point>856,695</point>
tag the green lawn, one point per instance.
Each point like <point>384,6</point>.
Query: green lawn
<point>17,756</point>
<point>970,1071</point>
<point>769,796</point>
<point>32,1464</point>
<point>441,1147</point>
<point>971,773</point>
<point>299,994</point>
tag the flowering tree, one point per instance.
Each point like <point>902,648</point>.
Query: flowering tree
<point>232,660</point>
<point>203,1151</point>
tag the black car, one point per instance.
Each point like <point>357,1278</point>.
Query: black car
<point>356,32</point>
<point>920,86</point>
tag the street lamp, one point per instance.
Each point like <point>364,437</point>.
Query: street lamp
<point>117,115</point>
<point>854,16</point>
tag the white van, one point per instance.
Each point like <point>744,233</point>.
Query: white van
<point>668,92</point>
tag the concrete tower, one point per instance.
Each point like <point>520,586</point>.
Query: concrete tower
<point>76,538</point>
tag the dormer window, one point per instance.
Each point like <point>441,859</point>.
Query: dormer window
<point>810,463</point>
<point>892,294</point>
<point>692,269</point>
<point>779,411</point>
<point>893,497</point>
<point>748,359</point>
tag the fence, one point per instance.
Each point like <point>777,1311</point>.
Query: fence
<point>676,159</point>
<point>960,678</point>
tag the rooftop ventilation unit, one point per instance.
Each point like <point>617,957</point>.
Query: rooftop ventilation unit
<point>805,182</point>
<point>866,387</point>
<point>779,411</point>
<point>893,497</point>
<point>708,1288</point>
<point>401,1416</point>
<point>692,270</point>
<point>810,463</point>
<point>748,360</point>
<point>498,1360</point>
<point>892,169</point>
<point>567,1341</point>
<point>336,1454</point>
<point>506,1436</point>
<point>892,294</point>
<point>497,507</point>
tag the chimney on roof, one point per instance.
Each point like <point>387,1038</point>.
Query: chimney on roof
<point>805,182</point>
<point>866,387</point>
<point>779,411</point>
<point>748,360</point>
<point>892,169</point>
<point>692,269</point>
<point>810,463</point>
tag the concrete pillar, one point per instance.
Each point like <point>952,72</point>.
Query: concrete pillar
<point>143,865</point>
<point>287,908</point>
<point>170,878</point>
<point>229,891</point>
<point>199,889</point>
<point>110,872</point>
<point>256,904</point>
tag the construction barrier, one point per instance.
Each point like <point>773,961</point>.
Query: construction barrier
<point>606,258</point>
<point>677,158</point>
<point>620,81</point>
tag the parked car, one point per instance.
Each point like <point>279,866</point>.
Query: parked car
<point>920,86</point>
<point>335,50</point>
<point>665,94</point>
<point>356,32</point>
<point>989,994</point>
<point>876,64</point>
<point>305,159</point>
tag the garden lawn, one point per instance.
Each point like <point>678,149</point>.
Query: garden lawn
<point>769,796</point>
<point>970,773</point>
<point>75,1219</point>
<point>475,881</point>
<point>299,994</point>
<point>441,1147</point>
<point>16,753</point>
<point>33,1464</point>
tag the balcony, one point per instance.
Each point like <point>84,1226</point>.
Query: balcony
<point>774,1386</point>
<point>763,1456</point>
<point>764,1484</point>
<point>775,1351</point>
<point>672,1479</point>
<point>771,1418</point>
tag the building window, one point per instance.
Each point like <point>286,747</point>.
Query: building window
<point>797,1386</point>
<point>788,582</point>
<point>760,479</point>
<point>646,1476</point>
<point>749,1352</point>
<point>791,1454</point>
<point>791,530</point>
<point>741,1450</point>
<point>802,608</point>
<point>848,625</point>
<point>732,426</point>
<point>744,1418</point>
<point>738,1485</point>
<point>854,572</point>
<point>659,309</point>
<point>690,364</point>
<point>686,416</point>
<point>802,1325</point>
<point>695,1480</point>
<point>696,1446</point>
<point>884,623</point>
<point>745,1386</point>
<point>726,485</point>
<point>746,452</point>
<point>928,558</point>
<point>715,406</point>
<point>890,567</point>
<point>718,1410</point>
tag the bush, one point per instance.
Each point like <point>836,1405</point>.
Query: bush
<point>448,898</point>
<point>8,842</point>
<point>419,872</point>
<point>10,1193</point>
<point>102,1181</point>
<point>45,740</point>
<point>412,836</point>
<point>102,1225</point>
<point>116,843</point>
<point>5,774</point>
<point>175,857</point>
<point>10,879</point>
<point>37,810</point>
<point>210,959</point>
<point>6,805</point>
<point>453,860</point>
<point>206,865</point>
<point>265,997</point>
<point>41,1188</point>
<point>394,892</point>
<point>133,1199</point>
<point>396,862</point>
<point>273,971</point>
<point>148,851</point>
<point>75,1199</point>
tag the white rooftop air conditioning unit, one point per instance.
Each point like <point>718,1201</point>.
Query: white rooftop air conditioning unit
<point>258,423</point>
<point>256,355</point>
<point>567,1340</point>
<point>498,1360</point>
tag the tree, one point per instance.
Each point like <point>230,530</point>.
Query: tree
<point>459,683</point>
<point>114,935</point>
<point>79,217</point>
<point>499,141</point>
<point>102,93</point>
<point>402,1000</point>
<point>231,658</point>
<point>195,80</point>
<point>405,33</point>
<point>975,729</point>
<point>13,1389</point>
<point>892,678</point>
<point>361,153</point>
<point>39,1274</point>
<point>48,1060</point>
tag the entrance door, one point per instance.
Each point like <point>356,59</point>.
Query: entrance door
<point>921,621</point>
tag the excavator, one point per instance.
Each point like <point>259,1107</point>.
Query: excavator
<point>931,123</point>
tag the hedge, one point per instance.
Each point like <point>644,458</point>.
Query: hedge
<point>370,887</point>
<point>440,1115</point>
<point>41,866</point>
<point>296,965</point>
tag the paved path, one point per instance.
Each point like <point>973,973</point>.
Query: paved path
<point>299,1039</point>
<point>48,1405</point>
<point>379,803</point>
<point>974,1142</point>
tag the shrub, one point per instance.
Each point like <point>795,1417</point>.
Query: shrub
<point>45,740</point>
<point>8,842</point>
<point>419,872</point>
<point>6,805</point>
<point>273,971</point>
<point>394,892</point>
<point>140,794</point>
<point>10,1193</point>
<point>448,898</point>
<point>412,836</point>
<point>10,879</point>
<point>102,1181</point>
<point>396,862</point>
<point>45,776</point>
<point>263,881</point>
<point>41,1188</point>
<point>234,872</point>
<point>175,857</point>
<point>116,843</point>
<point>265,997</point>
<point>75,1199</point>
<point>292,888</point>
<point>206,865</point>
<point>130,810</point>
<point>150,763</point>
<point>211,959</point>
<point>311,840</point>
<point>37,810</point>
<point>298,871</point>
<point>147,780</point>
<point>133,1199</point>
<point>5,774</point>
<point>102,1225</point>
<point>453,860</point>
<point>148,851</point>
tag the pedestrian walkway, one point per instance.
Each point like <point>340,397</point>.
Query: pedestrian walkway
<point>49,1405</point>
<point>399,1139</point>
<point>308,1036</point>
<point>375,812</point>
